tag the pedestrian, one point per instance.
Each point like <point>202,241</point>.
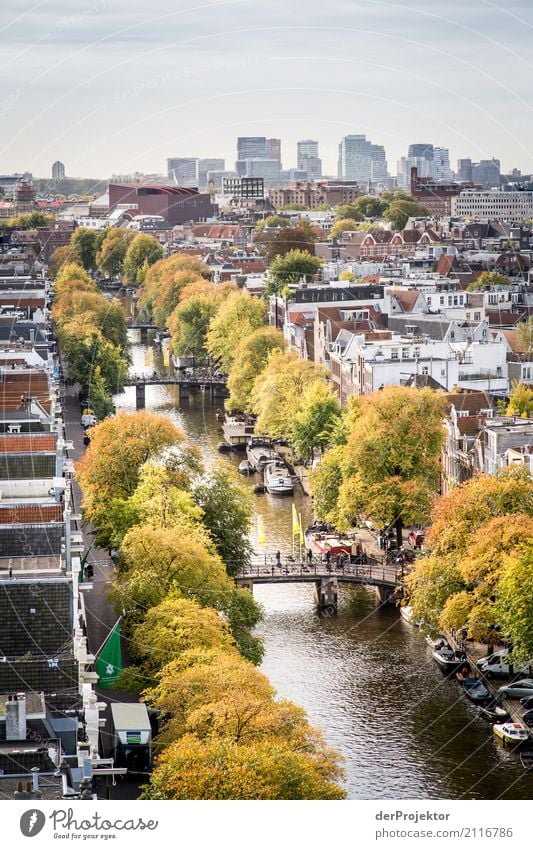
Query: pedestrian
<point>328,556</point>
<point>309,556</point>
<point>278,558</point>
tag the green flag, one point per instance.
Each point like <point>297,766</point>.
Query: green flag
<point>109,659</point>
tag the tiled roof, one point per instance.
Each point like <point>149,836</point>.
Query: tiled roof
<point>35,618</point>
<point>30,514</point>
<point>31,443</point>
<point>472,402</point>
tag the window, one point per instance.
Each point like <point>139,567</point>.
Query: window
<point>394,354</point>
<point>425,369</point>
<point>527,372</point>
<point>442,300</point>
<point>428,299</point>
<point>477,316</point>
<point>405,353</point>
<point>416,352</point>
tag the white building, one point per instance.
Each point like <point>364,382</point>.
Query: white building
<point>493,205</point>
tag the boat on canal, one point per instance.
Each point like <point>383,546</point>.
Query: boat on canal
<point>476,691</point>
<point>323,538</point>
<point>246,468</point>
<point>526,759</point>
<point>448,659</point>
<point>237,431</point>
<point>494,713</point>
<point>511,733</point>
<point>278,479</point>
<point>260,451</point>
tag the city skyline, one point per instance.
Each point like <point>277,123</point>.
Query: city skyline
<point>92,86</point>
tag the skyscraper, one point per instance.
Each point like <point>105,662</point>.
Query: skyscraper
<point>464,170</point>
<point>379,168</point>
<point>308,159</point>
<point>58,171</point>
<point>205,165</point>
<point>421,151</point>
<point>249,147</point>
<point>441,164</point>
<point>355,159</point>
<point>486,172</point>
<point>273,149</point>
<point>183,171</point>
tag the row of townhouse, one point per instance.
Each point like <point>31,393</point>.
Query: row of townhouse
<point>49,711</point>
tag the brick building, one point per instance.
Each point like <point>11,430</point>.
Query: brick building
<point>313,195</point>
<point>177,204</point>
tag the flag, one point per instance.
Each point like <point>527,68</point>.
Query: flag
<point>261,538</point>
<point>166,357</point>
<point>109,659</point>
<point>302,537</point>
<point>148,356</point>
<point>296,527</point>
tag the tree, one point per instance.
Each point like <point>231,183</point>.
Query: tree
<point>349,276</point>
<point>72,271</point>
<point>524,332</point>
<point>348,210</point>
<point>294,266</point>
<point>369,206</point>
<point>314,423</point>
<point>85,243</point>
<point>111,465</point>
<point>279,390</point>
<point>520,400</point>
<point>227,514</point>
<point>30,221</point>
<point>487,280</point>
<point>188,325</point>
<point>237,317</point>
<point>342,225</point>
<point>390,463</point>
<point>110,257</point>
<point>142,252</point>
<point>287,239</point>
<point>270,222</point>
<point>474,577</point>
<point>218,769</point>
<point>160,278</point>
<point>174,626</point>
<point>62,255</point>
<point>399,212</point>
<point>251,356</point>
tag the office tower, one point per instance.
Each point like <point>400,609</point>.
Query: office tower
<point>251,147</point>
<point>420,151</point>
<point>183,171</point>
<point>379,168</point>
<point>355,159</point>
<point>464,170</point>
<point>205,165</point>
<point>273,149</point>
<point>441,164</point>
<point>487,173</point>
<point>58,171</point>
<point>308,159</point>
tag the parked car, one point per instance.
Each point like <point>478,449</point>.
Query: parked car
<point>527,718</point>
<point>495,657</point>
<point>416,539</point>
<point>527,703</point>
<point>496,665</point>
<point>517,690</point>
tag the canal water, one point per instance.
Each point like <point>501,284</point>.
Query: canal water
<point>365,677</point>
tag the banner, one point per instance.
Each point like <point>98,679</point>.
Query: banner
<point>296,527</point>
<point>261,538</point>
<point>148,356</point>
<point>109,659</point>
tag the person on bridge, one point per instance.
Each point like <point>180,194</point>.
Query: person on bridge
<point>278,558</point>
<point>309,556</point>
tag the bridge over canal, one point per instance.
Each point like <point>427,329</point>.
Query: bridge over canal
<point>324,577</point>
<point>187,382</point>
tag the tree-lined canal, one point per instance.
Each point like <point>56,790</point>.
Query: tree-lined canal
<point>365,677</point>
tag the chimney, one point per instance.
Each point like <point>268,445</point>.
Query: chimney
<point>16,717</point>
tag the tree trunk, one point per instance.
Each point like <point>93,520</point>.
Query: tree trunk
<point>399,532</point>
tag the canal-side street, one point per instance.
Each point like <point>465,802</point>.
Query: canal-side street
<point>366,677</point>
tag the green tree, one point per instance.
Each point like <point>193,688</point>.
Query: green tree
<point>314,423</point>
<point>270,222</point>
<point>348,210</point>
<point>399,212</point>
<point>514,605</point>
<point>110,257</point>
<point>165,280</point>
<point>349,276</point>
<point>487,280</point>
<point>279,390</point>
<point>85,243</point>
<point>524,332</point>
<point>251,356</point>
<point>227,515</point>
<point>284,240</point>
<point>369,206</point>
<point>237,317</point>
<point>294,266</point>
<point>30,221</point>
<point>62,255</point>
<point>142,252</point>
<point>189,323</point>
<point>390,462</point>
<point>342,225</point>
<point>520,401</point>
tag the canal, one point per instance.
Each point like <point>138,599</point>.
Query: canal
<point>365,677</point>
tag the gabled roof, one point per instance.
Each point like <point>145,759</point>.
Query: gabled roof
<point>470,402</point>
<point>406,298</point>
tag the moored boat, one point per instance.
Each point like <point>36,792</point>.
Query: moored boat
<point>278,480</point>
<point>237,431</point>
<point>321,539</point>
<point>526,759</point>
<point>448,659</point>
<point>260,452</point>
<point>511,733</point>
<point>476,691</point>
<point>494,713</point>
<point>246,468</point>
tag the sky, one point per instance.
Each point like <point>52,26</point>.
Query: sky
<point>117,86</point>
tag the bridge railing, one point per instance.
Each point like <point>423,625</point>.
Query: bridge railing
<point>287,568</point>
<point>196,378</point>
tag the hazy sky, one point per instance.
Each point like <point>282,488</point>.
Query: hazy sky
<point>114,86</point>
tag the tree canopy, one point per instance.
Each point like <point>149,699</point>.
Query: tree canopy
<point>238,316</point>
<point>487,280</point>
<point>142,252</point>
<point>251,356</point>
<point>293,266</point>
<point>520,400</point>
<point>314,422</point>
<point>112,252</point>
<point>85,243</point>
